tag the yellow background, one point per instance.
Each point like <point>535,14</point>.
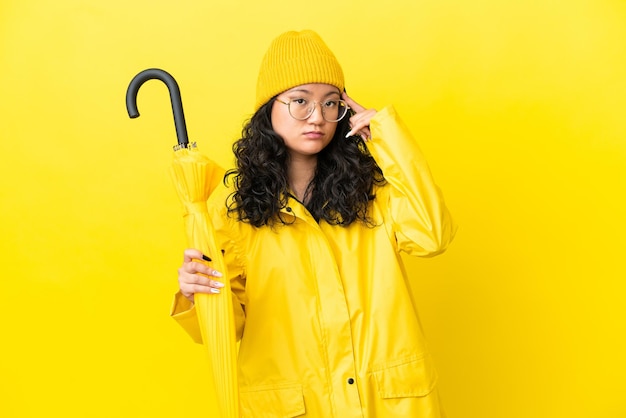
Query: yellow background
<point>520,107</point>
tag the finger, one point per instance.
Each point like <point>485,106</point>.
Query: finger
<point>208,270</point>
<point>365,134</point>
<point>191,254</point>
<point>353,105</point>
<point>194,279</point>
<point>190,290</point>
<point>209,286</point>
<point>193,283</point>
<point>198,269</point>
<point>204,286</point>
<point>360,122</point>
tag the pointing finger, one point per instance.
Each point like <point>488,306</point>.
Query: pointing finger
<point>353,105</point>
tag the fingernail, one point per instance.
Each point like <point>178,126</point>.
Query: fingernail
<point>206,258</point>
<point>218,284</point>
<point>214,290</point>
<point>349,134</point>
<point>217,273</point>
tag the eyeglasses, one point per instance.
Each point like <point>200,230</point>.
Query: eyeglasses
<point>302,109</point>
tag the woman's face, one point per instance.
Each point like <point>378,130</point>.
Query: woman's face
<point>310,136</point>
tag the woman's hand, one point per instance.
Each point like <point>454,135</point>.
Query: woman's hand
<point>360,121</point>
<point>196,277</point>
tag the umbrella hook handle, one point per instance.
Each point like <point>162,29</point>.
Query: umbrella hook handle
<point>172,86</point>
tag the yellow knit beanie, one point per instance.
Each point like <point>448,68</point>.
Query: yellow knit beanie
<point>296,58</point>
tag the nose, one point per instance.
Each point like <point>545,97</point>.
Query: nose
<point>317,116</point>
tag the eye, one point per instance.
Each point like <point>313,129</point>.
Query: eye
<point>331,103</point>
<point>300,102</point>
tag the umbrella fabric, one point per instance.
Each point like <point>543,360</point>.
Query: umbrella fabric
<point>195,177</point>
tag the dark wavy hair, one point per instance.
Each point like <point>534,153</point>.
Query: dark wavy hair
<point>340,191</point>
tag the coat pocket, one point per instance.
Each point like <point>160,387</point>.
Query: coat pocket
<point>272,401</point>
<point>410,378</point>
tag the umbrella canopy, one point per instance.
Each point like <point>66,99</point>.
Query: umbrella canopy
<point>195,177</point>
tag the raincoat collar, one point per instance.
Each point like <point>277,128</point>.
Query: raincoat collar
<point>296,209</point>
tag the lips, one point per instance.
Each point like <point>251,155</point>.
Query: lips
<point>314,134</point>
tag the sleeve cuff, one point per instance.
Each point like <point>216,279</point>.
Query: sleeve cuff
<point>184,312</point>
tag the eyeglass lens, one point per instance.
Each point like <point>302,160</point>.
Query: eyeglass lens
<point>332,111</point>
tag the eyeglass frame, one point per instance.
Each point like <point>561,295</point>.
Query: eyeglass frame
<point>313,108</point>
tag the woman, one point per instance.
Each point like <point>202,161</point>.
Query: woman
<point>325,196</point>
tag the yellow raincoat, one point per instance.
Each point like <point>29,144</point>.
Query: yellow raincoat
<point>325,316</point>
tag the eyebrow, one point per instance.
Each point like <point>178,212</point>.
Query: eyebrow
<point>310,92</point>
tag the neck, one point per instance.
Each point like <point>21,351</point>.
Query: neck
<point>301,172</point>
